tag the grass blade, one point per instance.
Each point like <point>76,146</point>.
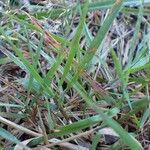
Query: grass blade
<point>7,135</point>
<point>97,41</point>
<point>75,43</point>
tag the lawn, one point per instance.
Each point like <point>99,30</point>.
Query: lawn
<point>75,74</point>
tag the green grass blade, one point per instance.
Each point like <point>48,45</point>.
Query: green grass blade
<point>85,123</point>
<point>51,123</point>
<point>75,43</point>
<point>10,105</point>
<point>104,4</point>
<point>7,135</point>
<point>88,35</point>
<point>134,38</point>
<point>53,14</point>
<point>4,60</point>
<point>97,41</point>
<point>121,76</point>
<point>95,141</point>
<point>145,117</point>
<point>132,142</point>
<point>102,32</point>
<point>77,126</point>
<point>30,68</point>
<point>15,59</point>
<point>146,12</point>
<point>54,68</point>
<point>125,136</point>
<point>13,115</point>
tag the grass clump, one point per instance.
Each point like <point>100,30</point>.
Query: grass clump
<point>74,74</point>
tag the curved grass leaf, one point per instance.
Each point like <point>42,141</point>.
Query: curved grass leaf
<point>141,64</point>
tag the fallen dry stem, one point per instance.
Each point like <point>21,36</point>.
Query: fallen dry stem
<point>16,126</point>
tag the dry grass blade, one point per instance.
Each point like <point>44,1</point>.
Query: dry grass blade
<point>16,126</point>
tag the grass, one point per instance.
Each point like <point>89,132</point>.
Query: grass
<point>72,88</point>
